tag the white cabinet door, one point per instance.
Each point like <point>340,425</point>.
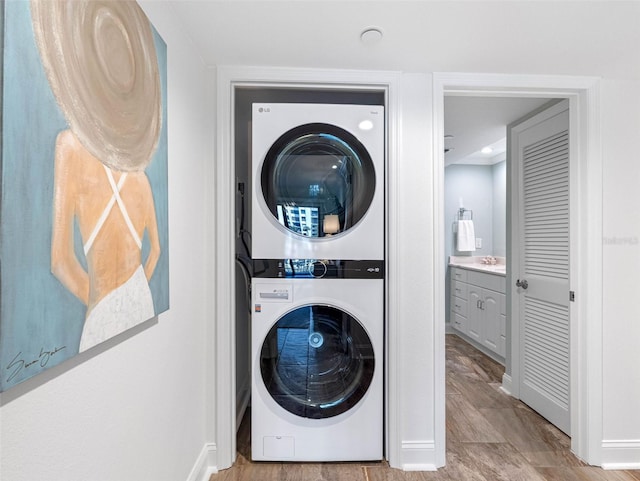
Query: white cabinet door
<point>474,313</point>
<point>478,308</point>
<point>492,325</point>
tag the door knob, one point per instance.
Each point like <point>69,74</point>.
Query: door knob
<point>522,283</point>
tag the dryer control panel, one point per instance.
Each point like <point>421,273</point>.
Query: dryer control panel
<point>318,269</point>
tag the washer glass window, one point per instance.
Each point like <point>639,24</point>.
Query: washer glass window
<point>317,362</point>
<point>318,180</point>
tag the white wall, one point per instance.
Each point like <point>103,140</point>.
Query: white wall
<point>411,287</point>
<point>600,39</point>
<point>499,171</point>
<point>135,409</point>
<point>621,258</point>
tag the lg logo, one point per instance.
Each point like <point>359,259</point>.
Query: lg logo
<point>262,109</point>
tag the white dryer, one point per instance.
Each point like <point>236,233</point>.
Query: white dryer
<point>318,181</point>
<point>317,370</point>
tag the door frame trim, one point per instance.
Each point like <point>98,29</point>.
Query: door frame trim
<point>222,388</point>
<point>586,334</point>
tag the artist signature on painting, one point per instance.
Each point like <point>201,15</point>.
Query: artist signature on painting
<point>18,364</point>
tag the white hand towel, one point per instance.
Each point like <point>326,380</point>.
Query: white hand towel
<point>466,236</point>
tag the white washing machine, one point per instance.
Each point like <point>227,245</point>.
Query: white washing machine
<point>318,181</point>
<point>317,370</point>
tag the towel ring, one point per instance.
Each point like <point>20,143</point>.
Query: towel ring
<point>462,212</point>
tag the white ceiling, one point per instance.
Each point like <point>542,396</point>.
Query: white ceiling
<point>572,37</point>
<point>477,122</point>
<point>560,37</point>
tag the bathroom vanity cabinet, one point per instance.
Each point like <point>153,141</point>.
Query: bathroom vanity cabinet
<point>478,307</point>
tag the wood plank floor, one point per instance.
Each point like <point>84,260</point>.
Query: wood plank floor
<point>490,437</point>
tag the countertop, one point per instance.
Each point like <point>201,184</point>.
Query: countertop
<point>474,263</point>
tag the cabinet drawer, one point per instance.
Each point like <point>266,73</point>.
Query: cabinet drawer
<point>458,322</point>
<point>459,289</point>
<point>459,274</point>
<point>488,281</point>
<point>459,306</point>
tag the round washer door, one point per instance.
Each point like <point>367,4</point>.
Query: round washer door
<point>317,362</point>
<point>318,180</point>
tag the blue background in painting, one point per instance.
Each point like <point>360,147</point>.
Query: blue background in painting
<point>37,313</point>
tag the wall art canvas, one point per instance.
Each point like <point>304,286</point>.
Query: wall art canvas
<point>84,202</point>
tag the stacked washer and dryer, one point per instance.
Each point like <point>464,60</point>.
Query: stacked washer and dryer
<point>318,283</point>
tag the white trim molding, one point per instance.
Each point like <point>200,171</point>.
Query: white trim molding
<point>416,453</point>
<point>228,79</point>
<point>224,271</point>
<point>507,384</point>
<point>586,337</point>
<point>621,454</point>
<point>205,465</point>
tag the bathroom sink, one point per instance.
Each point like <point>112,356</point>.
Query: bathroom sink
<point>475,263</point>
<point>497,268</point>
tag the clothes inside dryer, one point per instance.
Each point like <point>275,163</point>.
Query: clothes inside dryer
<point>317,362</point>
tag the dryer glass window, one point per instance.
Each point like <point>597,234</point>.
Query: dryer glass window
<point>317,362</point>
<point>318,180</point>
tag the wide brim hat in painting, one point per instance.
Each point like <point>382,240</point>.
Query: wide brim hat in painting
<point>100,59</point>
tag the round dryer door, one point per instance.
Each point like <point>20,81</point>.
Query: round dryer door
<point>317,362</point>
<point>318,180</point>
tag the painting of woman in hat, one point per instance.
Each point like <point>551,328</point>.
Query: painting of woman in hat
<point>100,61</point>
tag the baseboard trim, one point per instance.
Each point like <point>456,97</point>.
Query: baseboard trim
<point>206,464</point>
<point>418,456</point>
<point>507,384</point>
<point>621,454</point>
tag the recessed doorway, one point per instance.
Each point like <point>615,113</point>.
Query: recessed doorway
<point>585,161</point>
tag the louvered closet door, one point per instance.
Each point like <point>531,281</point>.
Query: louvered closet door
<point>544,264</point>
